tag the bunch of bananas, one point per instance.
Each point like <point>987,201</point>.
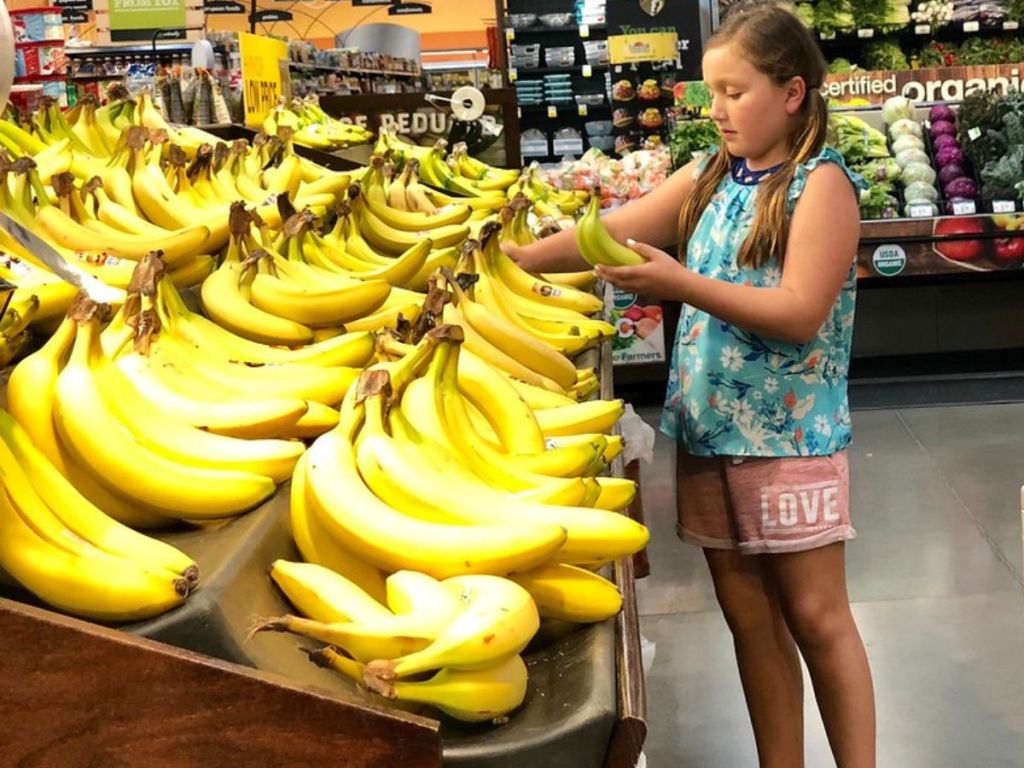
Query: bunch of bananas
<point>467,631</point>
<point>313,127</point>
<point>521,324</point>
<point>596,244</point>
<point>69,553</point>
<point>440,475</point>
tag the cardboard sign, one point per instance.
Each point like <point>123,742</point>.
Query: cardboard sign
<point>262,82</point>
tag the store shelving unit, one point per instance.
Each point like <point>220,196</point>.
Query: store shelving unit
<point>585,78</point>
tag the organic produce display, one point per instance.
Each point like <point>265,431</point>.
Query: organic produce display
<point>992,137</point>
<point>619,181</point>
<point>865,149</point>
<point>362,335</point>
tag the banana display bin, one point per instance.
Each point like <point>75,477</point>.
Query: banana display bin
<point>584,707</point>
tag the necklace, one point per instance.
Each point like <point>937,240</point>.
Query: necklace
<point>742,173</point>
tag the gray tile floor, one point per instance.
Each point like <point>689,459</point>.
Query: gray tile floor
<point>936,580</point>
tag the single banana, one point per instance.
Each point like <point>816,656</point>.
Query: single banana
<point>568,593</point>
<point>591,416</point>
<point>498,619</point>
<point>323,595</point>
<point>318,547</point>
<point>227,301</point>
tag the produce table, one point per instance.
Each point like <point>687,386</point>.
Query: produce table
<point>191,688</point>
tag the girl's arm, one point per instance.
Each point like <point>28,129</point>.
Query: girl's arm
<point>823,236</point>
<point>653,218</point>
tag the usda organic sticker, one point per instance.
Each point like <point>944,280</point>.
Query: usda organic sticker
<point>889,260</point>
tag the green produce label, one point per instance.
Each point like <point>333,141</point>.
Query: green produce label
<point>146,14</point>
<point>889,260</point>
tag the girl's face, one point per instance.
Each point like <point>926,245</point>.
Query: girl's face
<point>753,113</point>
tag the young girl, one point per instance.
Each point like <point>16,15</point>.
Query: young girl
<point>757,391</point>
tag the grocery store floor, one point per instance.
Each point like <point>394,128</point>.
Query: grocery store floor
<point>936,581</point>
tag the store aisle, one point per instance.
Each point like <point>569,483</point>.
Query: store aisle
<point>936,580</point>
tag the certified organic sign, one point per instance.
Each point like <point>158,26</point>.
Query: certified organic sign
<point>889,260</point>
<point>138,19</point>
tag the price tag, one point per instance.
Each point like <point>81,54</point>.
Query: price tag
<point>1004,206</point>
<point>1011,25</point>
<point>971,26</point>
<point>923,29</point>
<point>582,110</point>
<point>964,207</point>
<point>552,111</point>
<point>534,148</point>
<point>974,133</point>
<point>827,36</point>
<point>618,68</point>
<point>865,34</point>
<point>588,71</point>
<point>920,211</point>
<point>513,74</point>
<point>568,147</point>
<point>584,30</point>
<point>510,34</point>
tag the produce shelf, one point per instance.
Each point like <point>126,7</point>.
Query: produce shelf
<point>225,696</point>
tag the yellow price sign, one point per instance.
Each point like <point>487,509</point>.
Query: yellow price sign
<point>262,80</point>
<point>652,46</point>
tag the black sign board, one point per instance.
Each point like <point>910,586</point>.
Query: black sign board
<point>263,17</point>
<point>637,17</point>
<point>218,7</point>
<point>74,5</point>
<point>406,9</point>
<point>69,16</point>
<point>358,3</point>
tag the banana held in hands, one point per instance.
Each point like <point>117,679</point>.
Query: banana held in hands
<point>596,244</point>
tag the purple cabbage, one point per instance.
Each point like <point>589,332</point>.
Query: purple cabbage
<point>961,188</point>
<point>944,140</point>
<point>951,172</point>
<point>941,112</point>
<point>949,154</point>
<point>941,127</point>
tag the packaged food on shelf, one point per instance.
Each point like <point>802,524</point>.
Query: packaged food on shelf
<point>596,52</point>
<point>623,90</point>
<point>522,20</point>
<point>598,127</point>
<point>40,59</point>
<point>37,24</point>
<point>560,56</point>
<point>590,99</point>
<point>555,19</point>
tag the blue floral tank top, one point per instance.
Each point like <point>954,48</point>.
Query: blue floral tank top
<point>734,393</point>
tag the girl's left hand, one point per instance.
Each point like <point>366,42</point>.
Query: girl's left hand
<point>659,278</point>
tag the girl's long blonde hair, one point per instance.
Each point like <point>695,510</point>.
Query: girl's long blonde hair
<point>779,46</point>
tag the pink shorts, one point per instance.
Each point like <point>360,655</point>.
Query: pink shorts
<point>763,505</point>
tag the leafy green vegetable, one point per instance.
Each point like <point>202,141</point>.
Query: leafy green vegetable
<point>841,66</point>
<point>1000,178</point>
<point>697,95</point>
<point>885,54</point>
<point>691,136</point>
<point>856,140</point>
<point>805,12</point>
<point>833,15</point>
<point>878,202</point>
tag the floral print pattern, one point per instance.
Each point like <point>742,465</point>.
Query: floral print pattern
<point>734,393</point>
